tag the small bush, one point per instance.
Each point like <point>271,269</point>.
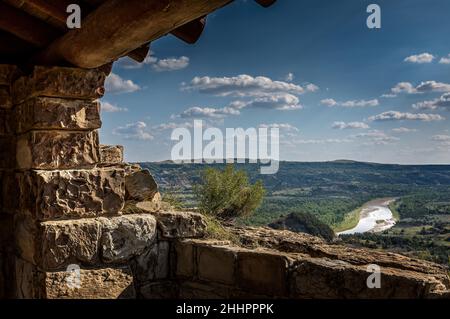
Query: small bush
<point>228,194</point>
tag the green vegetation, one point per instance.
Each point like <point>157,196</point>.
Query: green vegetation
<point>333,193</point>
<point>306,223</point>
<point>227,194</point>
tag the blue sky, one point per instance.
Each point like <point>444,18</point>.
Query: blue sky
<point>335,88</point>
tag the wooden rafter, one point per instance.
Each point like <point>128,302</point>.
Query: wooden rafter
<point>118,27</point>
<point>26,27</point>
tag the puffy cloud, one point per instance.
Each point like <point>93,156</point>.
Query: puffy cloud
<point>283,102</point>
<point>281,126</point>
<point>208,112</point>
<point>441,138</point>
<point>376,137</point>
<point>445,60</point>
<point>351,103</point>
<point>171,64</point>
<point>403,87</point>
<point>360,103</point>
<point>115,84</point>
<point>399,116</point>
<point>424,87</point>
<point>388,96</point>
<point>244,85</point>
<point>442,102</point>
<point>108,107</point>
<point>403,130</point>
<point>328,102</point>
<point>134,131</point>
<point>324,141</point>
<point>350,125</point>
<point>420,58</point>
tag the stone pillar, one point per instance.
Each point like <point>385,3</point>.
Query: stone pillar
<point>62,204</point>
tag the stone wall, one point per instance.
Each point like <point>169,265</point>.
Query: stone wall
<point>69,204</point>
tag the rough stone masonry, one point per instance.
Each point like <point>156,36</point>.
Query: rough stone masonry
<point>67,200</point>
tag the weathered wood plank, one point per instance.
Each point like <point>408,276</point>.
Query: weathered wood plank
<point>120,26</point>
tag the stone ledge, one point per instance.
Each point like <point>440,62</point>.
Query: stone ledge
<point>54,113</point>
<point>54,245</point>
<point>98,283</point>
<point>57,150</point>
<point>272,273</point>
<point>71,193</point>
<point>60,82</point>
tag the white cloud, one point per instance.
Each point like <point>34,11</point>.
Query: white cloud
<point>108,107</point>
<point>442,102</point>
<point>244,85</point>
<point>441,138</point>
<point>208,112</point>
<point>351,103</point>
<point>376,137</point>
<point>283,102</point>
<point>281,126</point>
<point>388,96</point>
<point>445,60</point>
<point>171,64</point>
<point>324,141</point>
<point>403,87</point>
<point>399,116</point>
<point>424,87</point>
<point>350,125</point>
<point>312,87</point>
<point>403,130</point>
<point>115,84</point>
<point>420,58</point>
<point>133,131</point>
<point>328,102</point>
<point>360,103</point>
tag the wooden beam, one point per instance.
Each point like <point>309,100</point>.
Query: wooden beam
<point>26,27</point>
<point>120,26</point>
<point>191,31</point>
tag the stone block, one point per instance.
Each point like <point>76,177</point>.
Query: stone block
<point>216,264</point>
<point>263,272</point>
<point>71,193</point>
<point>54,245</point>
<point>54,113</point>
<point>153,264</point>
<point>60,82</point>
<point>5,97</point>
<point>57,149</point>
<point>126,236</point>
<point>173,224</point>
<point>184,251</point>
<point>140,186</point>
<point>111,154</point>
<point>105,283</point>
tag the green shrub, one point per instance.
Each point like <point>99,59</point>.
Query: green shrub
<point>227,194</point>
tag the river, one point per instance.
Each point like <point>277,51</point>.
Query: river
<point>375,217</point>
